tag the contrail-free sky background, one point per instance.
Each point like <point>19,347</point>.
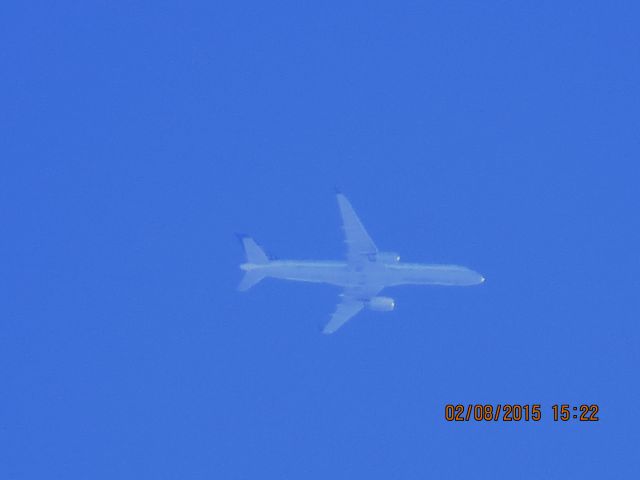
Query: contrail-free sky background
<point>137,137</point>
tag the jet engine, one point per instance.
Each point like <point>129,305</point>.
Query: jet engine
<point>381,304</point>
<point>387,257</point>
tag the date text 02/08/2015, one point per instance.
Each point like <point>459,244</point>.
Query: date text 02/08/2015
<point>513,412</point>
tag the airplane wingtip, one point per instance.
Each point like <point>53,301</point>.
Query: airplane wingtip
<point>241,236</point>
<point>323,328</point>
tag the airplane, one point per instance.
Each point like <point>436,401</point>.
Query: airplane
<point>364,274</point>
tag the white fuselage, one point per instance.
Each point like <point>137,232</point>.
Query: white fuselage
<point>371,273</point>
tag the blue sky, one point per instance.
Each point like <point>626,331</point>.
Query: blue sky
<point>138,137</point>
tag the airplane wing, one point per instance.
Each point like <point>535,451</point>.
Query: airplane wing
<point>359,246</point>
<point>353,300</point>
<point>345,310</point>
<point>359,243</point>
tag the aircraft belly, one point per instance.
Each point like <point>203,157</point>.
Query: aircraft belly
<point>362,276</point>
<point>435,275</point>
<point>317,272</point>
<point>338,273</point>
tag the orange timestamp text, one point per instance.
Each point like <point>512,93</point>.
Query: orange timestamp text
<point>515,412</point>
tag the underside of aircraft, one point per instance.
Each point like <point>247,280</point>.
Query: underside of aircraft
<point>362,276</point>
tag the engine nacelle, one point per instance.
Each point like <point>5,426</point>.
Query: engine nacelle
<point>387,257</point>
<point>381,304</point>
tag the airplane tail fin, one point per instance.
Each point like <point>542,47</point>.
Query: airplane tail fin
<point>255,256</point>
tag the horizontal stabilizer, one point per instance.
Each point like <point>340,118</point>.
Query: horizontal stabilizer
<point>254,253</point>
<point>249,280</point>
